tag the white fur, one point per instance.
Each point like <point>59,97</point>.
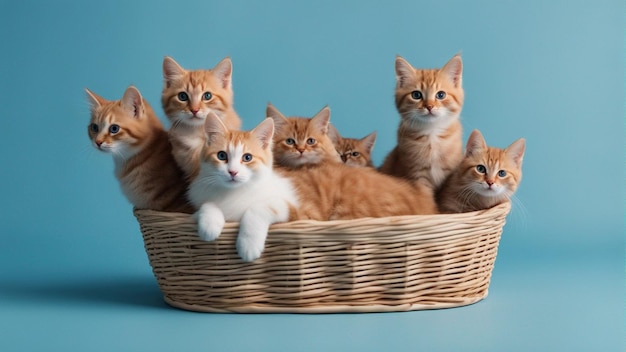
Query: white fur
<point>255,198</point>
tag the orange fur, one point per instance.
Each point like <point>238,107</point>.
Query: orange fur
<point>300,141</point>
<point>325,191</point>
<point>338,192</point>
<point>430,134</point>
<point>353,152</point>
<point>476,183</point>
<point>144,165</point>
<point>188,96</point>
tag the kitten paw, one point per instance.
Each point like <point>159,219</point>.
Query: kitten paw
<point>250,246</point>
<point>210,223</point>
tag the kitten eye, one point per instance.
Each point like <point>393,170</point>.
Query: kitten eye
<point>247,157</point>
<point>501,173</point>
<point>441,94</point>
<point>207,96</point>
<point>290,141</point>
<point>416,94</point>
<point>355,154</point>
<point>94,128</point>
<point>182,96</point>
<point>114,129</point>
<point>221,155</point>
<point>481,169</point>
<point>310,141</point>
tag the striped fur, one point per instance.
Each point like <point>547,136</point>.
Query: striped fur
<point>144,166</point>
<point>486,176</point>
<point>188,97</point>
<point>430,135</point>
<point>353,151</point>
<point>301,141</point>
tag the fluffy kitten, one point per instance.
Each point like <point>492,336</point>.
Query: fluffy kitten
<point>188,97</point>
<point>338,192</point>
<point>430,135</point>
<point>353,152</point>
<point>129,130</point>
<point>486,177</point>
<point>300,141</point>
<point>237,183</point>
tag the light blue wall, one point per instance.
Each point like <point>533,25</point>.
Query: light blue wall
<point>549,71</point>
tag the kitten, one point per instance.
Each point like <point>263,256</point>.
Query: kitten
<point>236,182</point>
<point>300,141</point>
<point>353,152</point>
<point>486,177</point>
<point>129,130</point>
<point>430,135</point>
<point>188,97</point>
<point>338,192</point>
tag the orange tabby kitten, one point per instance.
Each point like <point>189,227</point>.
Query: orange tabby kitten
<point>430,136</point>
<point>353,152</point>
<point>300,141</point>
<point>237,182</point>
<point>129,130</point>
<point>486,177</point>
<point>188,96</point>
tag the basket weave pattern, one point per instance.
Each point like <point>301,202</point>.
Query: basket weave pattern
<point>365,265</point>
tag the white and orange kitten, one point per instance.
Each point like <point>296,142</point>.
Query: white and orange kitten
<point>486,176</point>
<point>188,97</point>
<point>236,183</point>
<point>129,130</point>
<point>301,141</point>
<point>353,151</point>
<point>430,137</point>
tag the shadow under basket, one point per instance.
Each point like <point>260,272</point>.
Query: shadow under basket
<point>388,264</point>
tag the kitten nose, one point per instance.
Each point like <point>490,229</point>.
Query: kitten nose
<point>232,173</point>
<point>429,107</point>
<point>490,183</point>
<point>301,150</point>
<point>194,111</point>
<point>99,143</point>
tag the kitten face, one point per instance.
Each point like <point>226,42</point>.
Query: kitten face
<point>117,127</point>
<point>189,95</point>
<point>232,159</point>
<point>302,141</point>
<point>352,151</point>
<point>433,96</point>
<point>492,172</point>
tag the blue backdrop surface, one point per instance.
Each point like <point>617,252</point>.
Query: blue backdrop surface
<point>73,273</point>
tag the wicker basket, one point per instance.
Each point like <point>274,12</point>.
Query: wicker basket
<point>367,265</point>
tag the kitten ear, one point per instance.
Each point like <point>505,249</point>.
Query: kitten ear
<point>333,134</point>
<point>404,71</point>
<point>516,151</point>
<point>94,100</point>
<point>453,69</point>
<point>171,71</point>
<point>132,102</point>
<point>214,127</point>
<point>321,120</point>
<point>279,119</point>
<point>264,132</point>
<point>368,141</point>
<point>475,143</point>
<point>224,72</point>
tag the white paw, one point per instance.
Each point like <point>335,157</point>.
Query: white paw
<point>250,245</point>
<point>210,223</point>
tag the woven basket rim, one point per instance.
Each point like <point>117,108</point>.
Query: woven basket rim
<point>348,226</point>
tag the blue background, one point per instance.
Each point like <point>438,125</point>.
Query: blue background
<point>73,273</point>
